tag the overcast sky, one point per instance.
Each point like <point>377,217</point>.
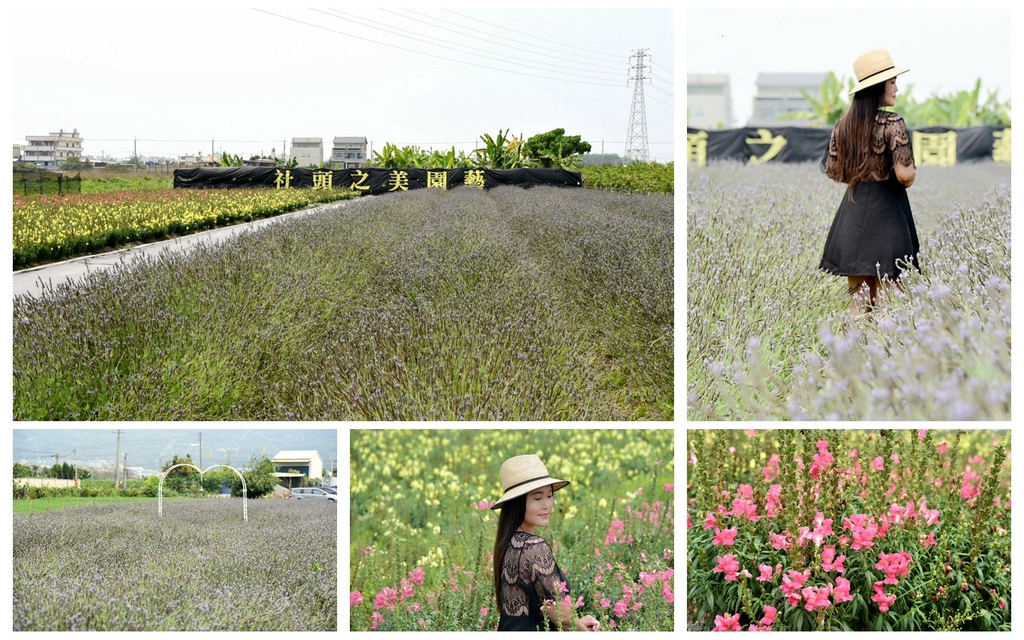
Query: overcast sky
<point>183,78</point>
<point>946,49</point>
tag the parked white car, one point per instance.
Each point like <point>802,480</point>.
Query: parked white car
<point>314,493</point>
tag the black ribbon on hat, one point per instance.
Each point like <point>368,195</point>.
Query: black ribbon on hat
<point>876,73</point>
<point>519,484</point>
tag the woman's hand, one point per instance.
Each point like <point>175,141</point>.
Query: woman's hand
<point>588,623</point>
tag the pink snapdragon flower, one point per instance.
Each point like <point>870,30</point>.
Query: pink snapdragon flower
<point>725,537</point>
<point>816,598</point>
<point>766,573</point>
<point>621,609</point>
<point>822,529</point>
<point>821,460</point>
<point>386,598</point>
<point>771,471</point>
<point>772,506</point>
<point>745,507</point>
<point>792,582</point>
<point>769,615</point>
<point>841,592</point>
<point>895,566</point>
<point>877,464</point>
<point>728,623</point>
<point>883,601</point>
<point>929,541</point>
<point>728,565</point>
<point>779,541</point>
<point>829,562</point>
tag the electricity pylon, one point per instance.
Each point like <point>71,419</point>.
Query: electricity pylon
<point>636,139</point>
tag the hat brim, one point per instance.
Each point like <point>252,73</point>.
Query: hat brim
<point>529,487</point>
<point>877,78</point>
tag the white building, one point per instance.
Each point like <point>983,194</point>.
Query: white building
<point>307,152</point>
<point>51,151</point>
<point>295,464</point>
<point>708,102</point>
<point>348,153</point>
<point>779,94</point>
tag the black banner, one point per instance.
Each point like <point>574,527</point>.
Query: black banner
<point>369,181</point>
<point>932,145</point>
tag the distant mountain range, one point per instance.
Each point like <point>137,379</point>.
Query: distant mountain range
<point>148,449</point>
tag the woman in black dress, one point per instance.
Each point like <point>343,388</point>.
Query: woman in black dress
<point>873,237</point>
<point>532,590</point>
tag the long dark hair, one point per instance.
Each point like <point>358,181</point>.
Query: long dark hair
<point>853,136</point>
<point>513,513</point>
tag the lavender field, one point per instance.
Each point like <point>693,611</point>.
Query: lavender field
<point>120,567</point>
<point>510,304</point>
<point>770,337</point>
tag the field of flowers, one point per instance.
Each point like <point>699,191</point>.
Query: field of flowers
<point>523,304</point>
<point>848,530</point>
<point>770,336</point>
<point>422,532</point>
<point>120,567</point>
<point>49,228</point>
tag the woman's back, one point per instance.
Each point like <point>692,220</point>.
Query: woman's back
<point>890,145</point>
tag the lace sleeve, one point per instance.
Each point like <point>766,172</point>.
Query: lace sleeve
<point>539,568</point>
<point>897,138</point>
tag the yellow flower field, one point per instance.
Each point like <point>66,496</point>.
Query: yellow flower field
<point>55,227</point>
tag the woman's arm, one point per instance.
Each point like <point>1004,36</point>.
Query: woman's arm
<point>899,141</point>
<point>905,174</point>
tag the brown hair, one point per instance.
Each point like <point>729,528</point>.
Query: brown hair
<point>853,133</point>
<point>513,513</point>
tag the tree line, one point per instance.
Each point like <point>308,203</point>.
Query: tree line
<point>179,480</point>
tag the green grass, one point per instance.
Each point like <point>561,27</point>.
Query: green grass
<point>98,181</point>
<point>50,504</point>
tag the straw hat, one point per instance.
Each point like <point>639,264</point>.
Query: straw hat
<point>521,475</point>
<point>874,67</point>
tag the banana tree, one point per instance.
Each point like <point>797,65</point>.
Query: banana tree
<point>828,107</point>
<point>228,160</point>
<point>500,152</point>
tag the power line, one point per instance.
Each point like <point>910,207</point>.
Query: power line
<point>394,30</point>
<point>504,41</point>
<point>504,28</point>
<point>394,46</point>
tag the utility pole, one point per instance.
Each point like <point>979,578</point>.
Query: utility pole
<point>636,139</point>
<point>75,452</point>
<point>117,458</point>
<point>125,469</point>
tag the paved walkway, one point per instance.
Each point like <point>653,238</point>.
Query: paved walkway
<point>30,281</point>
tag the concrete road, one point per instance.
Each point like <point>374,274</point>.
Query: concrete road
<point>30,281</point>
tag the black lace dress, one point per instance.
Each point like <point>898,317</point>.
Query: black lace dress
<point>529,576</point>
<point>873,232</point>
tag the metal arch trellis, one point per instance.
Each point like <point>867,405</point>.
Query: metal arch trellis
<point>163,476</point>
